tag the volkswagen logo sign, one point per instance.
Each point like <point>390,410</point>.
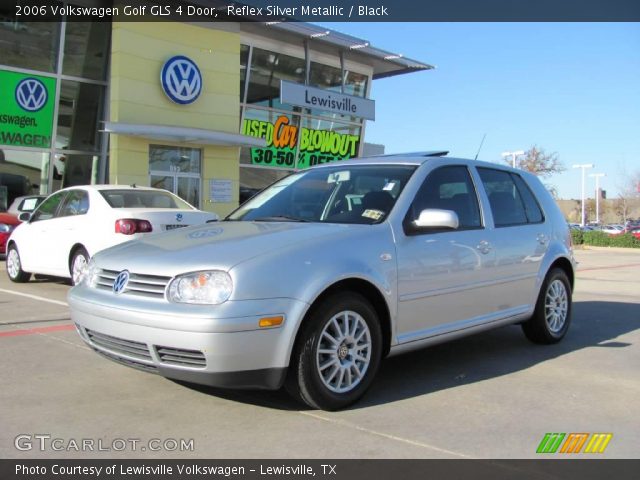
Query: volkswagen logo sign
<point>178,217</point>
<point>181,80</point>
<point>31,94</point>
<point>120,282</point>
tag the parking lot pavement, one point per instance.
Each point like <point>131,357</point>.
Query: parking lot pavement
<point>493,395</point>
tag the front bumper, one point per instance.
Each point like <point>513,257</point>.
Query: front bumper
<point>208,351</point>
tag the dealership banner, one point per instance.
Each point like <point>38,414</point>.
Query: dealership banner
<point>319,11</point>
<point>26,109</point>
<point>282,137</point>
<point>319,469</point>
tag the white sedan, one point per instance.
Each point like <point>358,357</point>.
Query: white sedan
<point>72,224</point>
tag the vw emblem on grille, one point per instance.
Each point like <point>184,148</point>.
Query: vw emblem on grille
<point>181,80</point>
<point>120,282</point>
<point>31,94</point>
<point>178,217</point>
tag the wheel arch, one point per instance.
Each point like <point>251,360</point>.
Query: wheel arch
<point>77,246</point>
<point>369,291</point>
<point>564,264</point>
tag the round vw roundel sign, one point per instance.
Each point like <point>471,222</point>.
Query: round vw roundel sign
<point>181,80</point>
<point>31,94</point>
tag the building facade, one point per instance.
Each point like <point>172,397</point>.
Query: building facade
<point>204,110</point>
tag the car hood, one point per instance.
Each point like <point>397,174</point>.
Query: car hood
<point>219,245</point>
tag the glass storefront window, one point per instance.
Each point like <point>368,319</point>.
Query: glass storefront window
<point>74,170</point>
<point>23,172</point>
<point>32,45</point>
<point>79,114</point>
<point>325,77</point>
<point>355,84</point>
<point>267,69</point>
<point>176,169</point>
<point>244,60</point>
<point>86,49</point>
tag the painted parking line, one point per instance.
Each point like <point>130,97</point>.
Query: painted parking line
<point>34,297</point>
<point>31,331</point>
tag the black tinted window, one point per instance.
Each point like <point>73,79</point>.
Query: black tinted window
<point>449,188</point>
<point>504,198</point>
<point>531,207</point>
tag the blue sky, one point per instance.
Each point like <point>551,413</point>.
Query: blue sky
<point>569,88</point>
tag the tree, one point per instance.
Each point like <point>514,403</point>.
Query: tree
<point>629,191</point>
<point>536,161</point>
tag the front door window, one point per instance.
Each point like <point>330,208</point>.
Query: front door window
<point>178,170</point>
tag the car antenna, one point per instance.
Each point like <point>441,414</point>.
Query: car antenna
<point>481,143</point>
<point>133,185</point>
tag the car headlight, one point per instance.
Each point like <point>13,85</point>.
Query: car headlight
<point>4,228</point>
<point>90,278</point>
<point>209,287</point>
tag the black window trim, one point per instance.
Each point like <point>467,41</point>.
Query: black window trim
<point>411,231</point>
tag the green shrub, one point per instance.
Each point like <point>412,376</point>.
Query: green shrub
<point>602,239</point>
<point>577,236</point>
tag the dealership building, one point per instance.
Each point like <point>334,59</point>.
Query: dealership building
<point>200,109</point>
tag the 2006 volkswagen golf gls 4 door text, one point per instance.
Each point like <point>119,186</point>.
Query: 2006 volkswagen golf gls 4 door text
<point>313,281</point>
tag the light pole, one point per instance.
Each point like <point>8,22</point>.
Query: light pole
<point>583,166</point>
<point>513,156</point>
<point>597,177</point>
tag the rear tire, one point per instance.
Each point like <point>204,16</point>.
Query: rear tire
<point>78,265</point>
<point>552,315</point>
<point>337,353</point>
<point>14,266</point>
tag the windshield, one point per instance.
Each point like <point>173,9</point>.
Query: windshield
<point>362,194</point>
<point>143,199</point>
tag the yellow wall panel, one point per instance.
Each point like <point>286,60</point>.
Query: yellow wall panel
<point>139,50</point>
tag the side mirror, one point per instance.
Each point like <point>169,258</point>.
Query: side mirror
<point>433,218</point>
<point>24,217</point>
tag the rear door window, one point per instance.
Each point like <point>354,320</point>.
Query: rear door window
<point>512,203</point>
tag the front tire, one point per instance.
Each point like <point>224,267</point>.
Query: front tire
<point>337,354</point>
<point>552,315</point>
<point>78,265</point>
<point>14,266</point>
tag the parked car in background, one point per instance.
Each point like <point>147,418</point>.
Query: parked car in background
<point>8,223</point>
<point>72,224</point>
<point>314,280</point>
<point>613,229</point>
<point>635,232</point>
<point>26,203</point>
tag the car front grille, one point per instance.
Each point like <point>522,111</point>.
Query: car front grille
<point>142,285</point>
<point>181,358</point>
<point>119,346</point>
<point>128,362</point>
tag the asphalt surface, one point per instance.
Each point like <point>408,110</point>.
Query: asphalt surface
<point>493,395</point>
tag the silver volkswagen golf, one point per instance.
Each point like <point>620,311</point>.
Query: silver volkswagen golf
<point>312,282</point>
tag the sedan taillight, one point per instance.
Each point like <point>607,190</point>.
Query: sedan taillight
<point>129,226</point>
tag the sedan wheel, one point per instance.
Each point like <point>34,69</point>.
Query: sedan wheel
<point>337,353</point>
<point>14,266</point>
<point>79,263</point>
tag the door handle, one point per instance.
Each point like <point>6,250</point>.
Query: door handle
<point>484,247</point>
<point>542,239</point>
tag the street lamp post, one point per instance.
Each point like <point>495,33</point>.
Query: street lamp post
<point>597,177</point>
<point>583,166</point>
<point>513,156</point>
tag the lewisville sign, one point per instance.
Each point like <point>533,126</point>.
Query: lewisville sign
<point>26,109</point>
<point>316,146</point>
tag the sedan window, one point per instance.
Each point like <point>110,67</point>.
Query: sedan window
<point>48,208</point>
<point>76,203</point>
<point>133,198</point>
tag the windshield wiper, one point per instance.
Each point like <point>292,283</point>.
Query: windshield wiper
<point>279,218</point>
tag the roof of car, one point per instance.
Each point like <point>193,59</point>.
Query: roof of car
<point>417,158</point>
<point>113,187</point>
